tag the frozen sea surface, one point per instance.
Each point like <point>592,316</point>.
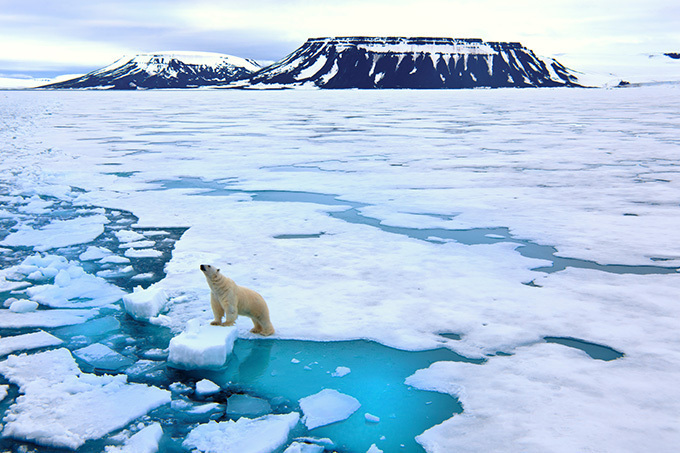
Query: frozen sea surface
<point>532,233</point>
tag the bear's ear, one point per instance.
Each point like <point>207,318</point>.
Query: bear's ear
<point>218,270</point>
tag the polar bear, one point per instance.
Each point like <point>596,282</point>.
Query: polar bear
<point>230,300</point>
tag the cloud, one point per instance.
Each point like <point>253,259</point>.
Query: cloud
<point>85,33</point>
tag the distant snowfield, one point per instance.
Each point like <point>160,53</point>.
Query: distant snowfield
<point>593,173</point>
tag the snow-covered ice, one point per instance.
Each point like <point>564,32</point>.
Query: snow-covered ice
<point>23,306</point>
<point>206,387</point>
<point>59,233</point>
<point>145,303</point>
<point>27,341</point>
<point>370,170</point>
<point>63,407</point>
<point>303,447</point>
<point>144,441</point>
<point>326,407</point>
<point>259,435</point>
<point>202,346</point>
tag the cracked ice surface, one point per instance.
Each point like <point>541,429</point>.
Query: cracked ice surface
<point>599,183</point>
<point>63,407</point>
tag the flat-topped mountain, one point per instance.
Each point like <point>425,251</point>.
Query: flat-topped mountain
<point>165,70</point>
<point>395,62</point>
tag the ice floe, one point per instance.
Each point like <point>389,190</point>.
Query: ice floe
<point>202,346</point>
<point>326,407</point>
<point>258,435</point>
<point>58,233</point>
<point>27,341</point>
<point>145,303</point>
<point>206,387</point>
<point>144,441</point>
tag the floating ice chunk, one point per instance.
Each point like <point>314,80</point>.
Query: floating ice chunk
<point>205,408</point>
<point>102,357</point>
<point>63,407</point>
<point>94,253</point>
<point>259,435</point>
<point>143,304</point>
<point>114,259</point>
<point>114,273</point>
<point>128,236</point>
<point>73,288</point>
<point>144,441</point>
<point>3,391</point>
<point>144,276</point>
<point>341,371</point>
<point>143,253</point>
<point>143,368</point>
<point>23,306</point>
<point>371,418</point>
<point>202,346</point>
<point>63,278</point>
<point>45,318</point>
<point>6,285</point>
<point>326,407</point>
<point>301,447</point>
<point>246,405</point>
<point>374,449</point>
<point>205,387</point>
<point>59,233</point>
<point>27,341</point>
<point>36,205</point>
<point>138,244</point>
<point>178,387</point>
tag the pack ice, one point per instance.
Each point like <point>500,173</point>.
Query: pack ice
<point>63,407</point>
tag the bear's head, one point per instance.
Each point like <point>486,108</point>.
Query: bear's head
<point>209,271</point>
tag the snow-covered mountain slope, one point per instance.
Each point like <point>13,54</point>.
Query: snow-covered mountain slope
<point>165,70</point>
<point>394,62</point>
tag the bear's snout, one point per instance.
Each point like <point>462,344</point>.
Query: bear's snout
<point>202,267</point>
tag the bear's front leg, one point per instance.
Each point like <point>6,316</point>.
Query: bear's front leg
<point>217,310</point>
<point>230,311</point>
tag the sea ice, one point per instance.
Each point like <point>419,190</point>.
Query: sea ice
<point>371,418</point>
<point>326,407</point>
<point>341,371</point>
<point>128,236</point>
<point>143,253</point>
<point>27,341</point>
<point>58,233</point>
<point>144,441</point>
<point>72,287</point>
<point>23,306</point>
<point>3,391</point>
<point>248,406</point>
<point>46,318</point>
<point>302,447</point>
<point>260,435</point>
<point>202,346</point>
<point>206,387</point>
<point>144,304</point>
<point>94,253</point>
<point>63,407</point>
<point>102,357</point>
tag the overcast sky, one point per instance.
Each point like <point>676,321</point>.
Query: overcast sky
<point>72,36</point>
